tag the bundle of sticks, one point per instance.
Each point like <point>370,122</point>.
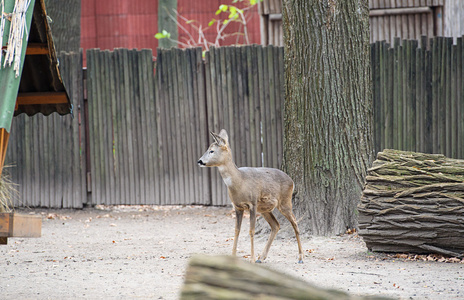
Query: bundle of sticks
<point>18,29</point>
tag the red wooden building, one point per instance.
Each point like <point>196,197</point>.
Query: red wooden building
<point>133,24</point>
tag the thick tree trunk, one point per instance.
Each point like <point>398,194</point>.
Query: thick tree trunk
<point>328,109</point>
<point>413,202</point>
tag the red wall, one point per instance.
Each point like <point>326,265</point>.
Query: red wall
<point>133,24</point>
<point>204,11</point>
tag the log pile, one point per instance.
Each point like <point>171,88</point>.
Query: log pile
<point>413,202</point>
<point>226,277</point>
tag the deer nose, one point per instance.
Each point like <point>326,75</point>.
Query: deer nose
<point>201,163</point>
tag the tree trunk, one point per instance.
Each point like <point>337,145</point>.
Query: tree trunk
<point>65,16</point>
<point>166,11</point>
<point>226,277</point>
<point>328,110</point>
<point>413,202</point>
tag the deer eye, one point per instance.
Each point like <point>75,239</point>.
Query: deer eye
<point>212,151</point>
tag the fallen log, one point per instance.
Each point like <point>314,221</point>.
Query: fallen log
<point>227,277</point>
<point>413,202</point>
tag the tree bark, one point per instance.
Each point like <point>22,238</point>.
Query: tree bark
<point>328,110</point>
<point>226,277</point>
<point>414,202</point>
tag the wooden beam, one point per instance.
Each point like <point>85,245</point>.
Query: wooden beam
<point>34,49</point>
<point>4,137</point>
<point>37,49</point>
<point>19,225</point>
<point>399,11</point>
<point>42,98</point>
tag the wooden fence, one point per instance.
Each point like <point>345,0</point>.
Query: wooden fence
<point>46,155</point>
<point>148,131</point>
<point>149,123</point>
<point>419,96</point>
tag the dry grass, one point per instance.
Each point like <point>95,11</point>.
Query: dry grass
<point>8,192</point>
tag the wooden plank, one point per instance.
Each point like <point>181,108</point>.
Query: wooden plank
<point>170,153</point>
<point>224,112</point>
<point>420,98</point>
<point>110,112</point>
<point>268,117</point>
<point>400,98</point>
<point>149,125</point>
<point>157,133</point>
<point>390,96</point>
<point>280,100</point>
<point>212,107</point>
<point>437,75</point>
<point>4,137</point>
<point>163,111</point>
<point>202,102</point>
<point>142,145</point>
<point>138,141</point>
<point>257,105</point>
<point>18,225</point>
<point>120,129</point>
<point>412,99</point>
<point>188,124</point>
<point>129,123</point>
<point>93,125</point>
<point>374,48</point>
<point>451,122</point>
<point>210,177</point>
<point>447,116</point>
<point>241,116</point>
<point>193,130</point>
<point>251,106</point>
<point>460,96</point>
<point>27,167</point>
<point>37,98</point>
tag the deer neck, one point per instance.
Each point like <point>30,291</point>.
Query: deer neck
<point>229,173</point>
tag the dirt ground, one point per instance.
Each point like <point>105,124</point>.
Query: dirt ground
<point>143,251</point>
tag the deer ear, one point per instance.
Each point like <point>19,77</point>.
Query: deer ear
<point>224,136</point>
<point>219,140</point>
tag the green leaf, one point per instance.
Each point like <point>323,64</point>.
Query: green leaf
<point>212,22</point>
<point>166,34</point>
<point>163,34</point>
<point>225,22</point>
<point>223,7</point>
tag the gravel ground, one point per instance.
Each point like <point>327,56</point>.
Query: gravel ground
<point>143,251</point>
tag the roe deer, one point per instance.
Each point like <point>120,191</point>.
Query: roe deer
<point>256,189</point>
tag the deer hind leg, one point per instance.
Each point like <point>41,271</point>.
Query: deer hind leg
<point>286,210</point>
<point>252,232</point>
<point>238,225</point>
<point>275,226</point>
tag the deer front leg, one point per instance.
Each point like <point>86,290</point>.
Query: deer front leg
<point>238,225</point>
<point>252,232</point>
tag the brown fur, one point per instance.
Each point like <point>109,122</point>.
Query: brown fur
<point>254,189</point>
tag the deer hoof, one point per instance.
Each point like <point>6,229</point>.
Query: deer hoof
<point>300,261</point>
<point>258,261</point>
